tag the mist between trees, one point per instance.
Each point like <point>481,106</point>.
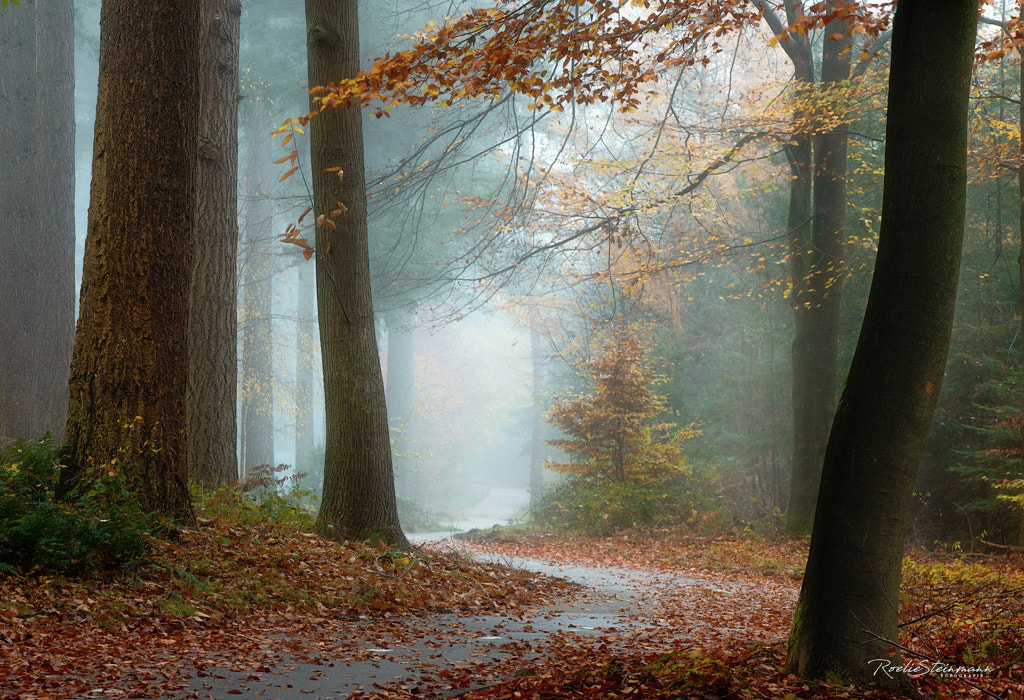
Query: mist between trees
<point>705,190</point>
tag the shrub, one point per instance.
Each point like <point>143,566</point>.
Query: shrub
<point>100,525</point>
<point>610,431</point>
<point>265,496</point>
<point>580,507</point>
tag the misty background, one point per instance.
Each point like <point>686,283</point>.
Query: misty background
<point>482,318</point>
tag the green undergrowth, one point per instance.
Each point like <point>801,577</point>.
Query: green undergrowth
<point>98,527</point>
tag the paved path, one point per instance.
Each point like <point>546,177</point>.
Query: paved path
<point>421,657</point>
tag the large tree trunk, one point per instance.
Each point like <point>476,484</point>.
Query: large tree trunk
<point>37,228</point>
<point>129,366</point>
<point>213,317</point>
<point>846,616</point>
<point>359,491</point>
<point>18,224</point>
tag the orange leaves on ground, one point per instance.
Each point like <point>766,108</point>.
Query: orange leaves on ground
<point>232,595</point>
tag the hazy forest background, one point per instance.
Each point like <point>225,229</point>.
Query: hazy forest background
<point>661,279</point>
<point>506,244</point>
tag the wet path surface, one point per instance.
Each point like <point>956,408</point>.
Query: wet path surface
<point>443,655</point>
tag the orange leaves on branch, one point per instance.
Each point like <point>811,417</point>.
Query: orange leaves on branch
<point>552,52</point>
<point>291,236</point>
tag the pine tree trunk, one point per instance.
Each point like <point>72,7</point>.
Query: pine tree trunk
<point>129,366</point>
<point>846,617</point>
<point>213,318</point>
<point>359,492</point>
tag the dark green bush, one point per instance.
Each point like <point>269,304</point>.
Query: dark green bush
<point>100,526</point>
<point>580,507</point>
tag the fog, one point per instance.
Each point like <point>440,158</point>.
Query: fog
<point>461,444</point>
<point>505,243</point>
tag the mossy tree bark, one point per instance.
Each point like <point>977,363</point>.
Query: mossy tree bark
<point>213,316</point>
<point>846,615</point>
<point>359,492</point>
<point>129,365</point>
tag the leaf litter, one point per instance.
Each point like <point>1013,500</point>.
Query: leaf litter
<point>248,598</point>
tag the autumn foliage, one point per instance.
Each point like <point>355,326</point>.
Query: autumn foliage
<point>610,431</point>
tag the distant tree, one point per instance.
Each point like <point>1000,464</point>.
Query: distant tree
<point>257,287</point>
<point>359,492</point>
<point>816,223</point>
<point>213,320</point>
<point>610,430</point>
<point>129,366</point>
<point>846,615</point>
<point>37,227</point>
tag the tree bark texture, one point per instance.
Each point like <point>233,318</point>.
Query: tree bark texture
<point>37,227</point>
<point>359,492</point>
<point>129,366</point>
<point>213,317</point>
<point>847,612</point>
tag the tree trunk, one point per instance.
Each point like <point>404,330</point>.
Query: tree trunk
<point>54,286</point>
<point>129,366</point>
<point>537,410</point>
<point>37,228</point>
<point>213,318</point>
<point>305,364</point>
<point>257,383</point>
<point>817,284</point>
<point>17,220</point>
<point>846,617</point>
<point>359,491</point>
<point>399,389</point>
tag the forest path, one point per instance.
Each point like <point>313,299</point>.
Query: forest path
<point>618,608</point>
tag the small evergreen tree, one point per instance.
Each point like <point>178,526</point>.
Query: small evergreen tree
<point>610,430</point>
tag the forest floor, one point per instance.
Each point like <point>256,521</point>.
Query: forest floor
<point>707,618</point>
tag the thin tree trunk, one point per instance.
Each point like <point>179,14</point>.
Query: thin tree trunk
<point>359,491</point>
<point>257,382</point>
<point>130,364</point>
<point>400,386</point>
<point>305,345</point>
<point>537,419</point>
<point>213,317</point>
<point>846,617</point>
